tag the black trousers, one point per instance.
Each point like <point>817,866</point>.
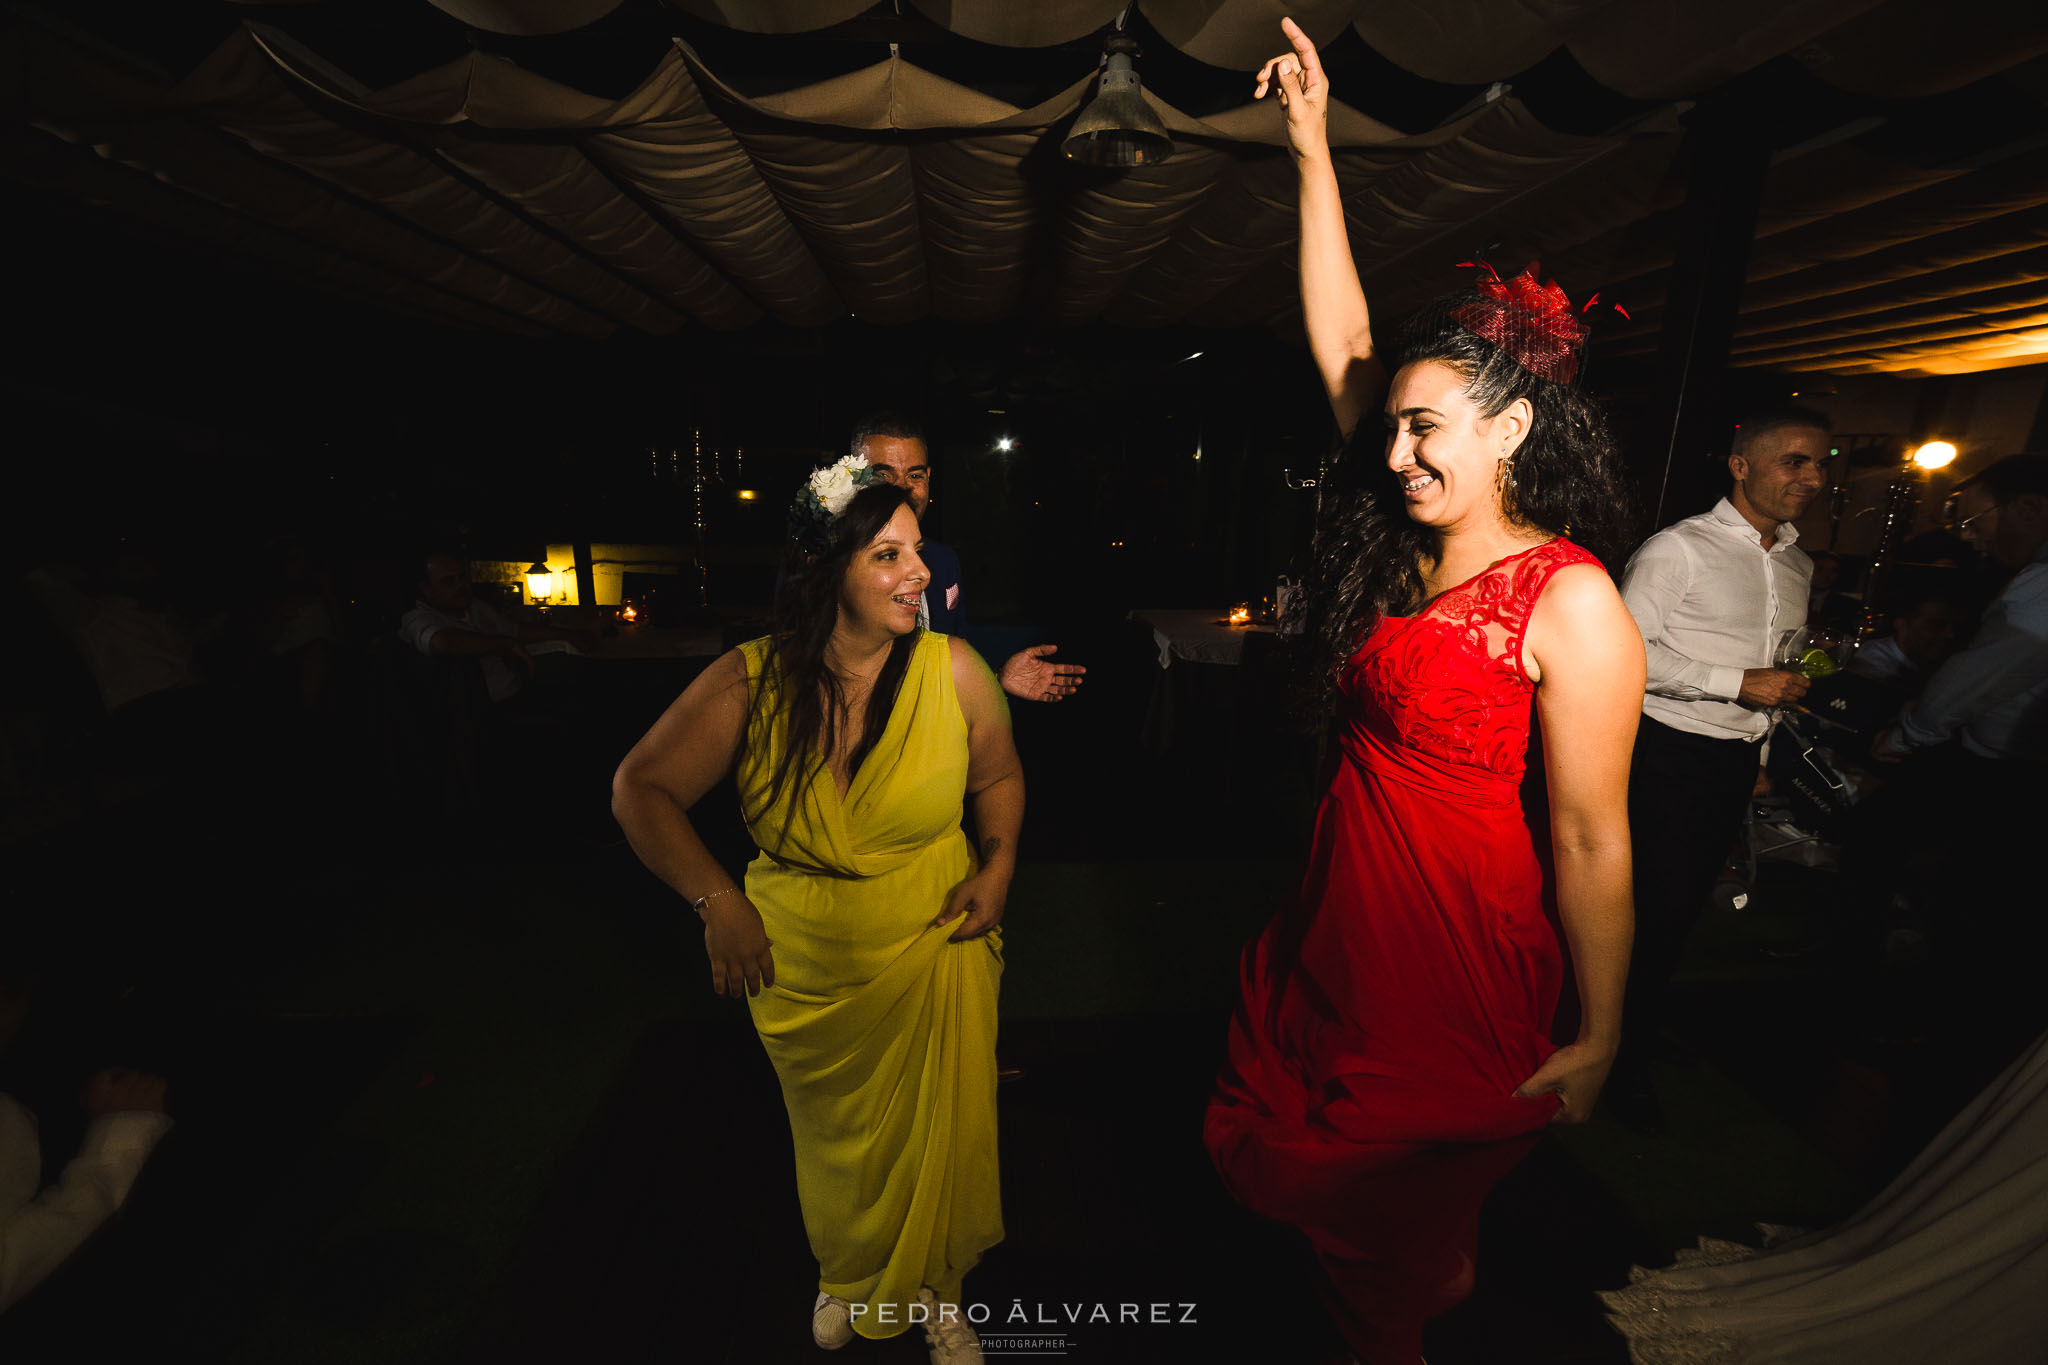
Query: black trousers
<point>1686,796</point>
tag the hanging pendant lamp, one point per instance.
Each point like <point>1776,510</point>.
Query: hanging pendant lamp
<point>1117,128</point>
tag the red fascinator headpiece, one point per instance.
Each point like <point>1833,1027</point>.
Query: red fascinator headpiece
<point>1532,322</point>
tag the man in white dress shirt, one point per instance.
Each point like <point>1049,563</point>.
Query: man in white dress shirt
<point>449,619</point>
<point>1713,595</point>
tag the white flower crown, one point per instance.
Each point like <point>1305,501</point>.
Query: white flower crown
<point>826,494</point>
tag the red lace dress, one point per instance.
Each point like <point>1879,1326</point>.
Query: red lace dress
<point>1389,1013</point>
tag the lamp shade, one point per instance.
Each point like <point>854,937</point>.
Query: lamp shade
<point>1118,128</point>
<point>540,581</point>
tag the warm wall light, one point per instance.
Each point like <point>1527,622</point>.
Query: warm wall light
<point>746,495</point>
<point>1934,455</point>
<point>540,581</point>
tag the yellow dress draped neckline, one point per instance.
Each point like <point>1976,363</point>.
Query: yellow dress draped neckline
<point>881,1030</point>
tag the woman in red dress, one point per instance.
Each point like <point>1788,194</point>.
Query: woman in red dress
<point>1393,1054</point>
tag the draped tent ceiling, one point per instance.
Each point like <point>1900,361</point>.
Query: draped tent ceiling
<point>713,190</point>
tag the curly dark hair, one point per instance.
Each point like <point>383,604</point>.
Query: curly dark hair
<point>807,693</point>
<point>1368,555</point>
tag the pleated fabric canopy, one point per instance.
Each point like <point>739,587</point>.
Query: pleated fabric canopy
<point>482,194</point>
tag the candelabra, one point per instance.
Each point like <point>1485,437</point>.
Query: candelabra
<point>697,487</point>
<point>1902,503</point>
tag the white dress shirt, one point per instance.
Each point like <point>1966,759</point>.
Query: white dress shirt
<point>424,622</point>
<point>39,1231</point>
<point>1993,695</point>
<point>1711,601</point>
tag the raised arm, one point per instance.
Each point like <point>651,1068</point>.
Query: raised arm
<point>995,784</point>
<point>694,744</point>
<point>1588,661</point>
<point>1332,300</point>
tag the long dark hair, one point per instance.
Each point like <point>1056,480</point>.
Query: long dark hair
<point>807,694</point>
<point>1368,554</point>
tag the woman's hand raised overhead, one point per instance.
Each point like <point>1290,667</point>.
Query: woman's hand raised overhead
<point>1297,77</point>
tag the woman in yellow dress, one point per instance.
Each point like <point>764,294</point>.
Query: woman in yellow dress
<point>865,936</point>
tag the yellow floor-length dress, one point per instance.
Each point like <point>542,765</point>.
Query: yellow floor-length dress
<point>881,1029</point>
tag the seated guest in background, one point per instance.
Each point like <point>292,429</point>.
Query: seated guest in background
<point>1712,595</point>
<point>41,1228</point>
<point>894,447</point>
<point>1977,742</point>
<point>1992,697</point>
<point>1923,622</point>
<point>1888,672</point>
<point>449,620</point>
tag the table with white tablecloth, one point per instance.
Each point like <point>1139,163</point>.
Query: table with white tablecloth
<point>1201,695</point>
<point>1197,635</point>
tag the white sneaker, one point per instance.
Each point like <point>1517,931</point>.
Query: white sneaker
<point>946,1332</point>
<point>831,1322</point>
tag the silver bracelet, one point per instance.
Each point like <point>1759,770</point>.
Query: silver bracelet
<point>702,901</point>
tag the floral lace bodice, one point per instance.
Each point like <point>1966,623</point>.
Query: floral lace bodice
<point>1448,681</point>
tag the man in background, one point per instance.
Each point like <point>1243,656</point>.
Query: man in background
<point>1924,619</point>
<point>1965,767</point>
<point>1887,672</point>
<point>1991,698</point>
<point>450,620</point>
<point>894,447</point>
<point>1713,595</point>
